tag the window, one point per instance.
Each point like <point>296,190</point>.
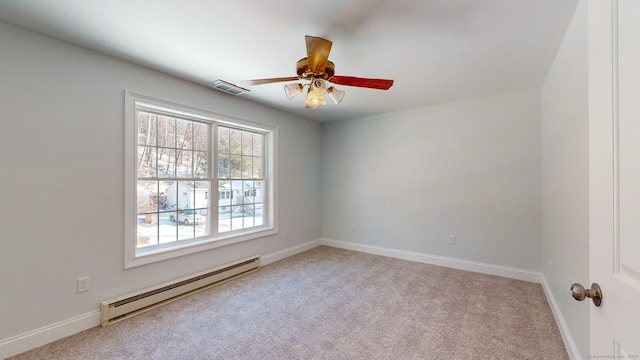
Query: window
<point>240,172</point>
<point>172,152</point>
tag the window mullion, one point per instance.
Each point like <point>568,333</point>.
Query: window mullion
<point>213,177</point>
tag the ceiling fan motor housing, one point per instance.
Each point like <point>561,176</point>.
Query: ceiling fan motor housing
<point>304,73</point>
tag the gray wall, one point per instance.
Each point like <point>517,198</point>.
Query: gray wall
<point>409,179</point>
<point>62,178</point>
<point>565,176</point>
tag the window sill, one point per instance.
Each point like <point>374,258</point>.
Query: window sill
<point>155,255</point>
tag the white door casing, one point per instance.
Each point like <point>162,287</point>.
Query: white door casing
<point>614,176</point>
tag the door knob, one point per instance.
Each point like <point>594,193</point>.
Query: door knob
<point>580,293</point>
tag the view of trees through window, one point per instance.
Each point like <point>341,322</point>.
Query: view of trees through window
<point>240,174</point>
<point>174,184</point>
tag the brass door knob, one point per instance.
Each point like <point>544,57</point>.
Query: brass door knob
<point>580,293</point>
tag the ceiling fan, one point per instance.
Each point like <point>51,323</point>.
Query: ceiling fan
<point>317,68</point>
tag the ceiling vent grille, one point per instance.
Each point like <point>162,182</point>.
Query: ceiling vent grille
<point>228,87</point>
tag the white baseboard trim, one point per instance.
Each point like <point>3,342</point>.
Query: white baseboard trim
<point>569,344</point>
<point>44,335</point>
<point>504,271</point>
<point>509,272</point>
<point>35,338</point>
<point>285,253</point>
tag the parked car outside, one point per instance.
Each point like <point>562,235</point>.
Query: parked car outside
<point>187,217</point>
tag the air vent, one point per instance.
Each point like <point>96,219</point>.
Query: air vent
<point>228,87</point>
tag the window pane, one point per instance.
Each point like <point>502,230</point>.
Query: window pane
<point>146,128</point>
<point>184,163</point>
<point>167,163</point>
<point>257,168</point>
<point>223,140</point>
<point>237,218</point>
<point>235,166</point>
<point>184,132</point>
<point>201,195</point>
<point>166,132</point>
<point>200,164</point>
<point>200,137</point>
<point>162,196</point>
<point>247,143</point>
<point>257,144</point>
<point>202,224</point>
<point>146,161</point>
<point>147,197</point>
<point>223,166</point>
<point>247,167</point>
<point>186,194</point>
<point>235,141</point>
<point>186,228</point>
<point>224,191</point>
<point>258,214</point>
<point>224,220</point>
<point>224,206</point>
<point>168,230</point>
<point>147,231</point>
<point>248,218</point>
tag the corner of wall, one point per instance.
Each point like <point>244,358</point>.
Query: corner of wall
<point>569,343</point>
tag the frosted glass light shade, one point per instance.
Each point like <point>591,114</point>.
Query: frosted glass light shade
<point>314,101</point>
<point>335,94</point>
<point>292,90</point>
<point>318,87</point>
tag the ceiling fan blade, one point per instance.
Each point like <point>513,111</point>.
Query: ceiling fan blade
<point>267,81</point>
<point>317,53</point>
<point>380,84</point>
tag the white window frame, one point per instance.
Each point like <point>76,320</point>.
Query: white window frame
<point>135,258</point>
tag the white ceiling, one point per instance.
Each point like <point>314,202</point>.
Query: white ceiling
<point>437,51</point>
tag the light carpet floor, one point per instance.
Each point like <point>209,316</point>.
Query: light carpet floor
<point>329,303</point>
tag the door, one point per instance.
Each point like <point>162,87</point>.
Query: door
<point>614,176</point>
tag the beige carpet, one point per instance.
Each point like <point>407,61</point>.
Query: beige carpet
<point>329,303</point>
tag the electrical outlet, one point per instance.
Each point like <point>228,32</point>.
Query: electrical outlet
<point>84,284</point>
<point>353,228</point>
<point>452,240</point>
<point>286,233</point>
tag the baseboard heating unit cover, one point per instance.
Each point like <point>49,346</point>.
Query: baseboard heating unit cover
<point>128,305</point>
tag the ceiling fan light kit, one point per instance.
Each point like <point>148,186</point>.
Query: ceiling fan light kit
<point>317,68</point>
<point>314,100</point>
<point>293,90</point>
<point>315,93</point>
<point>335,94</point>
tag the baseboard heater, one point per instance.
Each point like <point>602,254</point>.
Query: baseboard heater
<point>126,306</point>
